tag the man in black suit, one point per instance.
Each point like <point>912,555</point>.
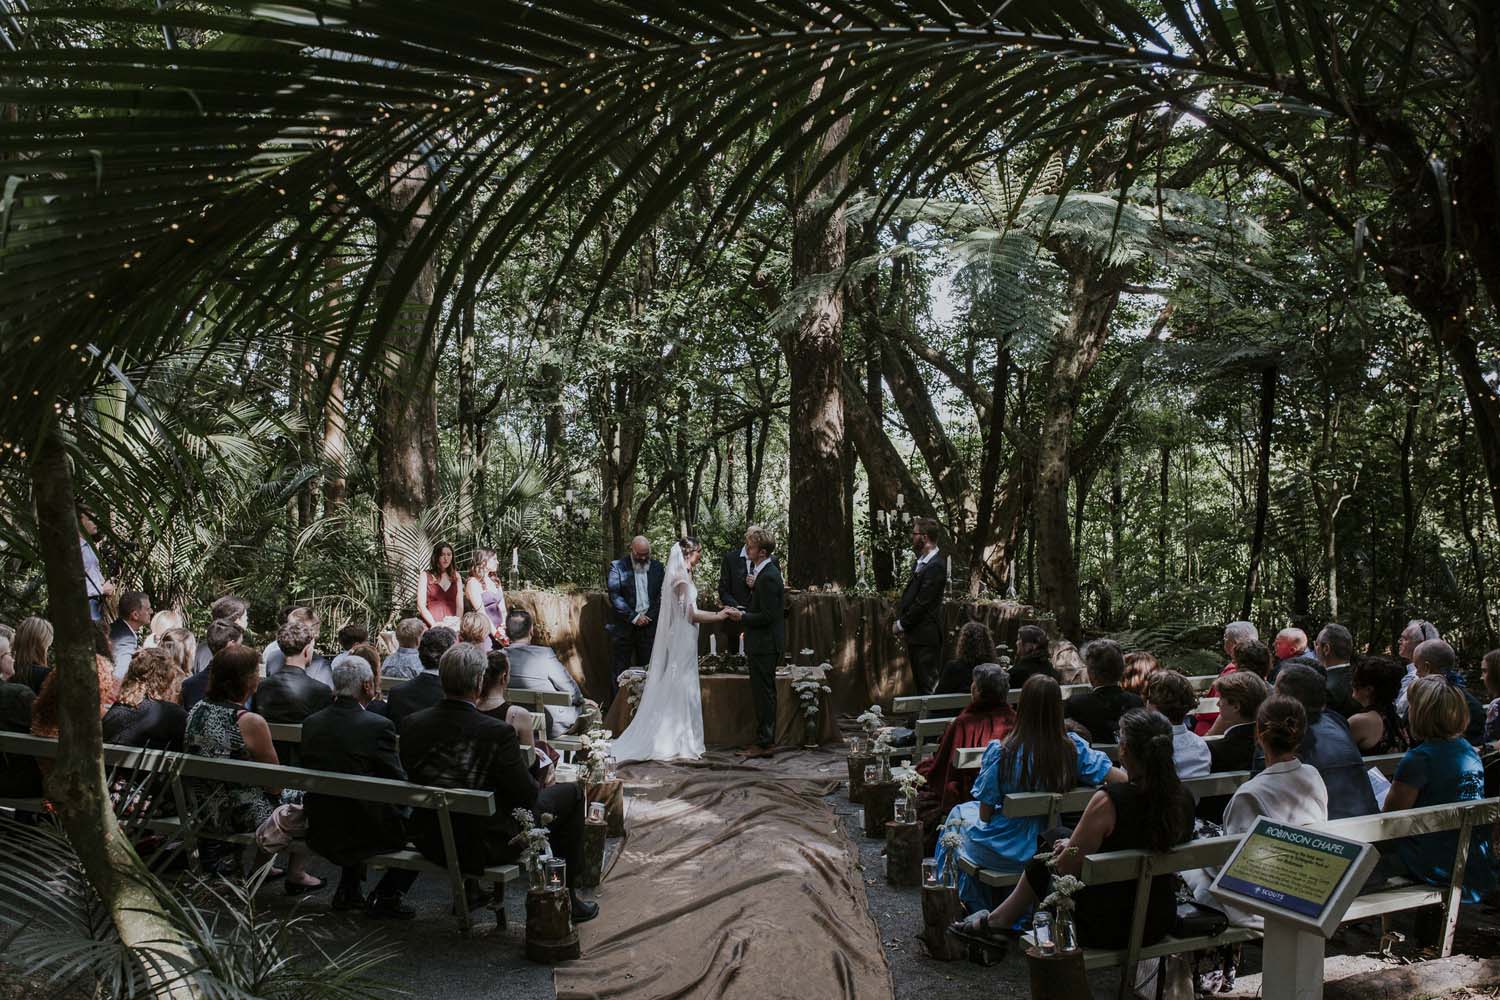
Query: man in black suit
<point>290,695</point>
<point>1099,710</point>
<point>765,631</point>
<point>125,633</point>
<point>347,739</point>
<point>454,745</point>
<point>221,633</point>
<point>919,617</point>
<point>734,592</point>
<point>635,600</point>
<point>425,689</point>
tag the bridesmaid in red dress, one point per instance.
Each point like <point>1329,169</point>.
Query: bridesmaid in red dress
<point>440,592</point>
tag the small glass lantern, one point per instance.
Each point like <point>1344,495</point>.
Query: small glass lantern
<point>596,813</point>
<point>557,874</point>
<point>930,878</point>
<point>1041,932</point>
<point>903,811</point>
<point>872,774</point>
<point>856,746</point>
<point>610,766</point>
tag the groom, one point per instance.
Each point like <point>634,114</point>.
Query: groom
<point>764,619</point>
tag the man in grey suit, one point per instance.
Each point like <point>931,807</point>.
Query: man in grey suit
<point>765,630</point>
<point>537,668</point>
<point>125,633</point>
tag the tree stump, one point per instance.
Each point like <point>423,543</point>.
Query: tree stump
<point>903,853</point>
<point>857,764</point>
<point>880,806</point>
<point>590,870</point>
<point>550,936</point>
<point>612,794</point>
<point>1057,976</point>
<point>940,907</point>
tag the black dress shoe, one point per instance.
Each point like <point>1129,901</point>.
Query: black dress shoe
<point>583,910</point>
<point>388,908</point>
<point>348,899</point>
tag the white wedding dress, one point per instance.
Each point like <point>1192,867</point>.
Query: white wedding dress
<point>668,723</point>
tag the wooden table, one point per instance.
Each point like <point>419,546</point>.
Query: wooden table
<point>729,713</point>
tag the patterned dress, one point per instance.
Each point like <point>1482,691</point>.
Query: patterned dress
<point>213,731</point>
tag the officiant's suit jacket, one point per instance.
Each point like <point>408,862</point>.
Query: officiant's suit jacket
<point>622,591</point>
<point>765,616</point>
<point>921,608</point>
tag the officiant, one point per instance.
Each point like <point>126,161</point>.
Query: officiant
<point>919,617</point>
<point>734,592</point>
<point>635,601</point>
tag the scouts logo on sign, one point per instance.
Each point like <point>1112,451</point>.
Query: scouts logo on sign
<point>1290,869</point>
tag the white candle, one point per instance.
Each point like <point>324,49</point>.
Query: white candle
<point>713,645</point>
<point>569,496</point>
<point>900,501</point>
<point>950,567</point>
<point>742,644</point>
<point>515,559</point>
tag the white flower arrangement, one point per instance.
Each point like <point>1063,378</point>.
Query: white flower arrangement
<point>908,779</point>
<point>952,837</point>
<point>808,683</point>
<point>872,721</point>
<point>882,746</point>
<point>594,748</point>
<point>1064,888</point>
<point>532,840</point>
<point>633,686</point>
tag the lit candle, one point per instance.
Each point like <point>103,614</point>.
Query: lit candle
<point>742,644</point>
<point>713,645</point>
<point>900,501</point>
<point>515,559</point>
<point>569,496</point>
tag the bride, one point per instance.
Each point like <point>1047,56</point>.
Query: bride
<point>669,721</point>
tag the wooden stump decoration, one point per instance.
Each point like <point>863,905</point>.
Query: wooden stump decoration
<point>589,871</point>
<point>550,936</point>
<point>1058,975</point>
<point>880,805</point>
<point>903,853</point>
<point>612,794</point>
<point>940,907</point>
<point>857,762</point>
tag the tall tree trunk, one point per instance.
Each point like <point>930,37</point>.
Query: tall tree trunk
<point>335,449</point>
<point>988,512</point>
<point>1476,553</point>
<point>1268,379</point>
<point>1408,516</point>
<point>468,455</point>
<point>76,785</point>
<point>819,542</point>
<point>1112,572</point>
<point>757,466</point>
<point>406,429</point>
<point>882,563</point>
<point>1163,512</point>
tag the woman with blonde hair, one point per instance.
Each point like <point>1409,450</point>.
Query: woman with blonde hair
<point>484,593</point>
<point>181,647</point>
<point>146,713</point>
<point>29,649</point>
<point>475,627</point>
<point>162,622</point>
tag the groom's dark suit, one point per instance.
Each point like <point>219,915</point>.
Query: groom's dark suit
<point>765,642</point>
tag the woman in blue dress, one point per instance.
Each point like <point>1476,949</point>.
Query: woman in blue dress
<point>1038,755</point>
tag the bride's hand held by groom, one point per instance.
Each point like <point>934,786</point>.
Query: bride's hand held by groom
<point>731,614</point>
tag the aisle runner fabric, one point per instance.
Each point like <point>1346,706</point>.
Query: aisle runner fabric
<point>732,883</point>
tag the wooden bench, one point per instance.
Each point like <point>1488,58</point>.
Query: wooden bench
<point>1052,806</point>
<point>182,770</point>
<point>1141,866</point>
<point>521,696</point>
<point>924,705</point>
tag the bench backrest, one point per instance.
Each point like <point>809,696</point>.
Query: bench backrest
<point>521,696</point>
<point>923,704</point>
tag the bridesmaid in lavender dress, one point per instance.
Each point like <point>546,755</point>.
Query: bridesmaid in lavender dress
<point>484,592</point>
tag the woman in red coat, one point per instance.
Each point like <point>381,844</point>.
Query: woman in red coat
<point>987,717</point>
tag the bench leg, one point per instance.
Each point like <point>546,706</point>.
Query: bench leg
<point>185,817</point>
<point>455,876</point>
<point>1137,930</point>
<point>1455,894</point>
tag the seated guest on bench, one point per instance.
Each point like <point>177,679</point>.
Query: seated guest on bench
<point>1139,666</point>
<point>181,647</point>
<point>1240,697</point>
<point>1099,710</point>
<point>493,702</point>
<point>347,739</point>
<point>1442,767</point>
<point>1287,791</point>
<point>1035,756</point>
<point>537,668</point>
<point>1377,728</point>
<point>1435,658</point>
<point>988,716</point>
<point>370,653</point>
<point>1150,811</point>
<point>219,726</point>
<point>454,745</point>
<point>1328,747</point>
<point>221,633</point>
<point>44,717</point>
<point>291,695</point>
<point>19,777</point>
<point>1032,657</point>
<point>146,712</point>
<point>1173,696</point>
<point>228,608</point>
<point>405,662</point>
<point>29,648</point>
<point>424,690</point>
<point>974,647</point>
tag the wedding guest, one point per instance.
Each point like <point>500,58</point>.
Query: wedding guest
<point>44,710</point>
<point>734,592</point>
<point>453,745</point>
<point>1335,648</point>
<point>30,648</point>
<point>1068,663</point>
<point>1377,728</point>
<point>272,656</point>
<point>219,726</point>
<point>1441,767</point>
<point>352,635</point>
<point>1035,756</point>
<point>291,695</point>
<point>7,661</point>
<point>440,593</point>
<point>125,633</point>
<point>1236,635</point>
<point>1416,632</point>
<point>1173,696</point>
<point>426,689</point>
<point>634,586</point>
<point>1490,669</point>
<point>1031,656</point>
<point>1291,647</point>
<point>146,712</point>
<point>474,627</point>
<point>1099,709</point>
<point>221,632</point>
<point>483,592</point>
<point>1287,791</point>
<point>161,623</point>
<point>98,589</point>
<point>988,716</point>
<point>19,776</point>
<point>181,648</point>
<point>493,701</point>
<point>1139,666</point>
<point>347,738</point>
<point>1434,657</point>
<point>405,662</point>
<point>228,608</point>
<point>1328,746</point>
<point>919,615</point>
<point>366,652</point>
<point>537,668</point>
<point>1240,696</point>
<point>975,646</point>
<point>1150,811</point>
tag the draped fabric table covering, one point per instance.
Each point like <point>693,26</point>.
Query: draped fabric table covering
<point>729,713</point>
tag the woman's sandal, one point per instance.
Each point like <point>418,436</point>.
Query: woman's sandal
<point>302,889</point>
